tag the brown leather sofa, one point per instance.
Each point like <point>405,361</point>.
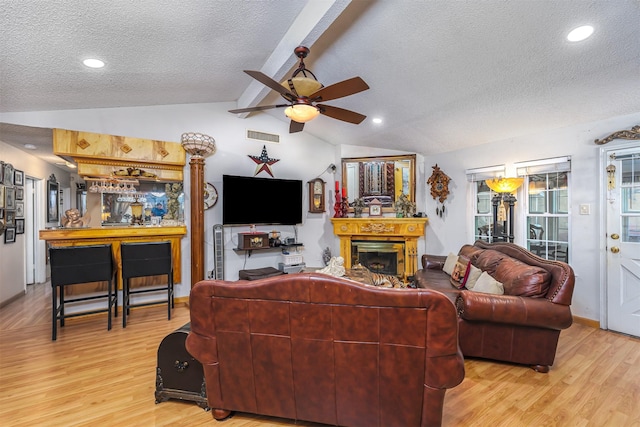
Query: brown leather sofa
<point>523,325</point>
<point>314,347</point>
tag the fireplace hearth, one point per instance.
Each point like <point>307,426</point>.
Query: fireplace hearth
<point>379,257</point>
<point>385,245</point>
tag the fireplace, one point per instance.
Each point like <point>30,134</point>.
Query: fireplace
<point>379,257</point>
<point>384,244</point>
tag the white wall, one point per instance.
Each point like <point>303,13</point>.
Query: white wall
<point>447,234</point>
<point>12,255</point>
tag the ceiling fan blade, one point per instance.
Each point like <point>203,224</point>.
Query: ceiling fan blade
<point>259,108</point>
<point>340,89</point>
<point>268,81</point>
<point>295,127</point>
<point>341,114</point>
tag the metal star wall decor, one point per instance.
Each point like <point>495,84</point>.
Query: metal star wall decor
<point>264,162</point>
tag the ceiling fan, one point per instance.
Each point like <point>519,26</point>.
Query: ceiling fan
<point>304,93</point>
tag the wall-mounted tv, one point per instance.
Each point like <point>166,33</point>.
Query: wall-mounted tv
<point>247,200</point>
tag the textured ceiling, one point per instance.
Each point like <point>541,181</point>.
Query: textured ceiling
<point>443,74</point>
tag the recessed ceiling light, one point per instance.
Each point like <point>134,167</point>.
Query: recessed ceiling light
<point>376,120</point>
<point>93,63</point>
<point>30,147</point>
<point>580,33</point>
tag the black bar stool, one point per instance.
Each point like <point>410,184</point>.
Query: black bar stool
<point>71,265</point>
<point>145,259</point>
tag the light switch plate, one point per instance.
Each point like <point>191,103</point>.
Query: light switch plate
<point>585,209</point>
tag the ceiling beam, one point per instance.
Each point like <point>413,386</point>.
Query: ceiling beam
<point>307,28</point>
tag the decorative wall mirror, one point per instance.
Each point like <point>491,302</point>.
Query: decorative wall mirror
<point>159,200</point>
<point>383,178</point>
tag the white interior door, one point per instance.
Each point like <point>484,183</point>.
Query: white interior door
<point>623,240</point>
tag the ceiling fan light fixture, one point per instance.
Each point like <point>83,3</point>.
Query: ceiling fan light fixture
<point>301,113</point>
<point>303,86</point>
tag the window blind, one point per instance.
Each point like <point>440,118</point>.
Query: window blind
<point>481,174</point>
<point>556,164</point>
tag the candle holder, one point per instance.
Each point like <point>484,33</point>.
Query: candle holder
<point>338,211</point>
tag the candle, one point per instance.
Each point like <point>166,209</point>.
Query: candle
<point>337,186</point>
<point>344,192</point>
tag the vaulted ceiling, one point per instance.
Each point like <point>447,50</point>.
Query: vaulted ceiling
<point>443,74</point>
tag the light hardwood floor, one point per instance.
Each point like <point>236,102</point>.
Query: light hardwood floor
<point>92,377</point>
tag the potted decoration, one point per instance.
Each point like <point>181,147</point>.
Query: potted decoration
<point>404,207</point>
<point>358,206</point>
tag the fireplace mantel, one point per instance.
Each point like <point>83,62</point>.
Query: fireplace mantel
<point>406,230</point>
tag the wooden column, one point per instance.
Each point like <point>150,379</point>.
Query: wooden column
<point>197,218</point>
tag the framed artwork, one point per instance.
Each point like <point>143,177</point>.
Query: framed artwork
<point>1,214</point>
<point>52,201</point>
<point>1,196</point>
<point>7,174</point>
<point>10,235</point>
<point>9,198</point>
<point>18,177</point>
<point>19,209</point>
<point>19,226</point>
<point>19,193</point>
<point>9,218</point>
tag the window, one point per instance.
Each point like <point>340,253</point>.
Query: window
<point>547,219</point>
<point>482,197</point>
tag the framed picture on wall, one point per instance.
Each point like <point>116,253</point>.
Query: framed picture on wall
<point>18,177</point>
<point>19,193</point>
<point>19,209</point>
<point>7,177</point>
<point>9,198</point>
<point>19,226</point>
<point>1,196</point>
<point>52,201</point>
<point>9,218</point>
<point>10,235</point>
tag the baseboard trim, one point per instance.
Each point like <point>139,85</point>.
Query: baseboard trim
<point>13,298</point>
<point>586,322</point>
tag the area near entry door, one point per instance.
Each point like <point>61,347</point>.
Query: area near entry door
<point>623,239</point>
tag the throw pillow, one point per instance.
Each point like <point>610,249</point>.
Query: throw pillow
<point>474,274</point>
<point>488,285</point>
<point>450,263</point>
<point>460,272</point>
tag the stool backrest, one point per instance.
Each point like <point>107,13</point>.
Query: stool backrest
<point>146,259</point>
<point>80,264</point>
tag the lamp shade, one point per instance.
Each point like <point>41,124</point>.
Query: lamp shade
<point>198,144</point>
<point>303,86</point>
<point>301,113</point>
<point>504,185</point>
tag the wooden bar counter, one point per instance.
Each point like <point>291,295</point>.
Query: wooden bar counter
<point>116,236</point>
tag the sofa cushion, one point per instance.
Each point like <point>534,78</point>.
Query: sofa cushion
<point>450,263</point>
<point>487,260</point>
<point>460,272</point>
<point>522,279</point>
<point>488,285</point>
<point>473,276</point>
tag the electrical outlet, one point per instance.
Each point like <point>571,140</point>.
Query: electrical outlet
<point>585,209</point>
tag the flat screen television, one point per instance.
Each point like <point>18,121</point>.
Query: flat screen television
<point>249,200</point>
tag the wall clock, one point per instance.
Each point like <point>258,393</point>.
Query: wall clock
<point>210,196</point>
<point>316,195</point>
<point>439,184</point>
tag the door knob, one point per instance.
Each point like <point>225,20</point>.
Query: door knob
<point>615,236</point>
<point>615,249</point>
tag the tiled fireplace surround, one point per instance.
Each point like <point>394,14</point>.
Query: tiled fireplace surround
<point>384,245</point>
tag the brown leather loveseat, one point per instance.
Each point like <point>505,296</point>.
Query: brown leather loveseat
<point>314,347</point>
<point>521,326</point>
